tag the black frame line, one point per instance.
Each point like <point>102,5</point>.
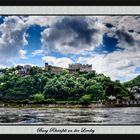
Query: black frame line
<point>69,3</point>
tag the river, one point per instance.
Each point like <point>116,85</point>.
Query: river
<point>124,115</point>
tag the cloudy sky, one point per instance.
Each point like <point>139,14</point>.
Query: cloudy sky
<point>110,43</point>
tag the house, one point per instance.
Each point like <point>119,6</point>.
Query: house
<point>135,89</point>
<point>137,96</point>
<point>111,97</point>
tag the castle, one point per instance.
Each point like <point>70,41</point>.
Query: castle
<point>53,69</point>
<point>73,68</point>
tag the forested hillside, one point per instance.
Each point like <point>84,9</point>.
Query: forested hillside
<point>39,85</point>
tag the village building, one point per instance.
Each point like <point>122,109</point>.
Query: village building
<point>135,89</point>
<point>137,97</point>
<point>23,71</point>
<point>53,69</point>
<point>111,97</point>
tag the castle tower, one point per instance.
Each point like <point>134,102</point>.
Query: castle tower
<point>46,66</point>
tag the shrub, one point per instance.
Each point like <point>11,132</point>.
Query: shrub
<point>38,98</point>
<point>85,100</point>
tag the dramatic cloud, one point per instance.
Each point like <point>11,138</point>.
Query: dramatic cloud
<point>12,40</point>
<point>60,62</point>
<point>40,20</point>
<point>72,35</point>
<point>13,36</point>
<point>120,63</point>
<point>125,28</point>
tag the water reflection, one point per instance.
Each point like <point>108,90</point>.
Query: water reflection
<point>128,115</point>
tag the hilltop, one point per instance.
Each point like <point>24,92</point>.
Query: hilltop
<point>132,83</point>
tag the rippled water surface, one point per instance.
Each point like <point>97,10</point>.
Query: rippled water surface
<point>130,115</point>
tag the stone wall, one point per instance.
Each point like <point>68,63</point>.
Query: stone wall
<point>80,67</point>
<point>53,69</point>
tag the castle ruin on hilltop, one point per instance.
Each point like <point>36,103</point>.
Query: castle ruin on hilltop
<point>53,69</point>
<point>73,68</point>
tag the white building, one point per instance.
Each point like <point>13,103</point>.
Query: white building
<point>112,97</point>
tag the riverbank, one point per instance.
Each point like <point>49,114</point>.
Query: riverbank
<point>13,105</point>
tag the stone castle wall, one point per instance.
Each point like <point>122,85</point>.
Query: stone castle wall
<point>53,69</point>
<point>73,68</point>
<point>80,67</point>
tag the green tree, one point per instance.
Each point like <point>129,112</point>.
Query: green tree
<point>35,70</point>
<point>38,98</point>
<point>85,100</point>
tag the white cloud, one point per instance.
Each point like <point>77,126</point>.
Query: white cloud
<point>37,52</point>
<point>40,20</point>
<point>12,40</point>
<point>22,54</point>
<point>60,62</point>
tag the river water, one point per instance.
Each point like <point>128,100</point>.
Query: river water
<point>124,115</point>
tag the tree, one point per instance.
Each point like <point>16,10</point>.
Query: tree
<point>85,100</point>
<point>51,101</point>
<point>90,75</point>
<point>38,98</point>
<point>65,71</point>
<point>35,70</point>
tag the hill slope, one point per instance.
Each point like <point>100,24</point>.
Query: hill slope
<point>59,87</point>
<point>132,83</point>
